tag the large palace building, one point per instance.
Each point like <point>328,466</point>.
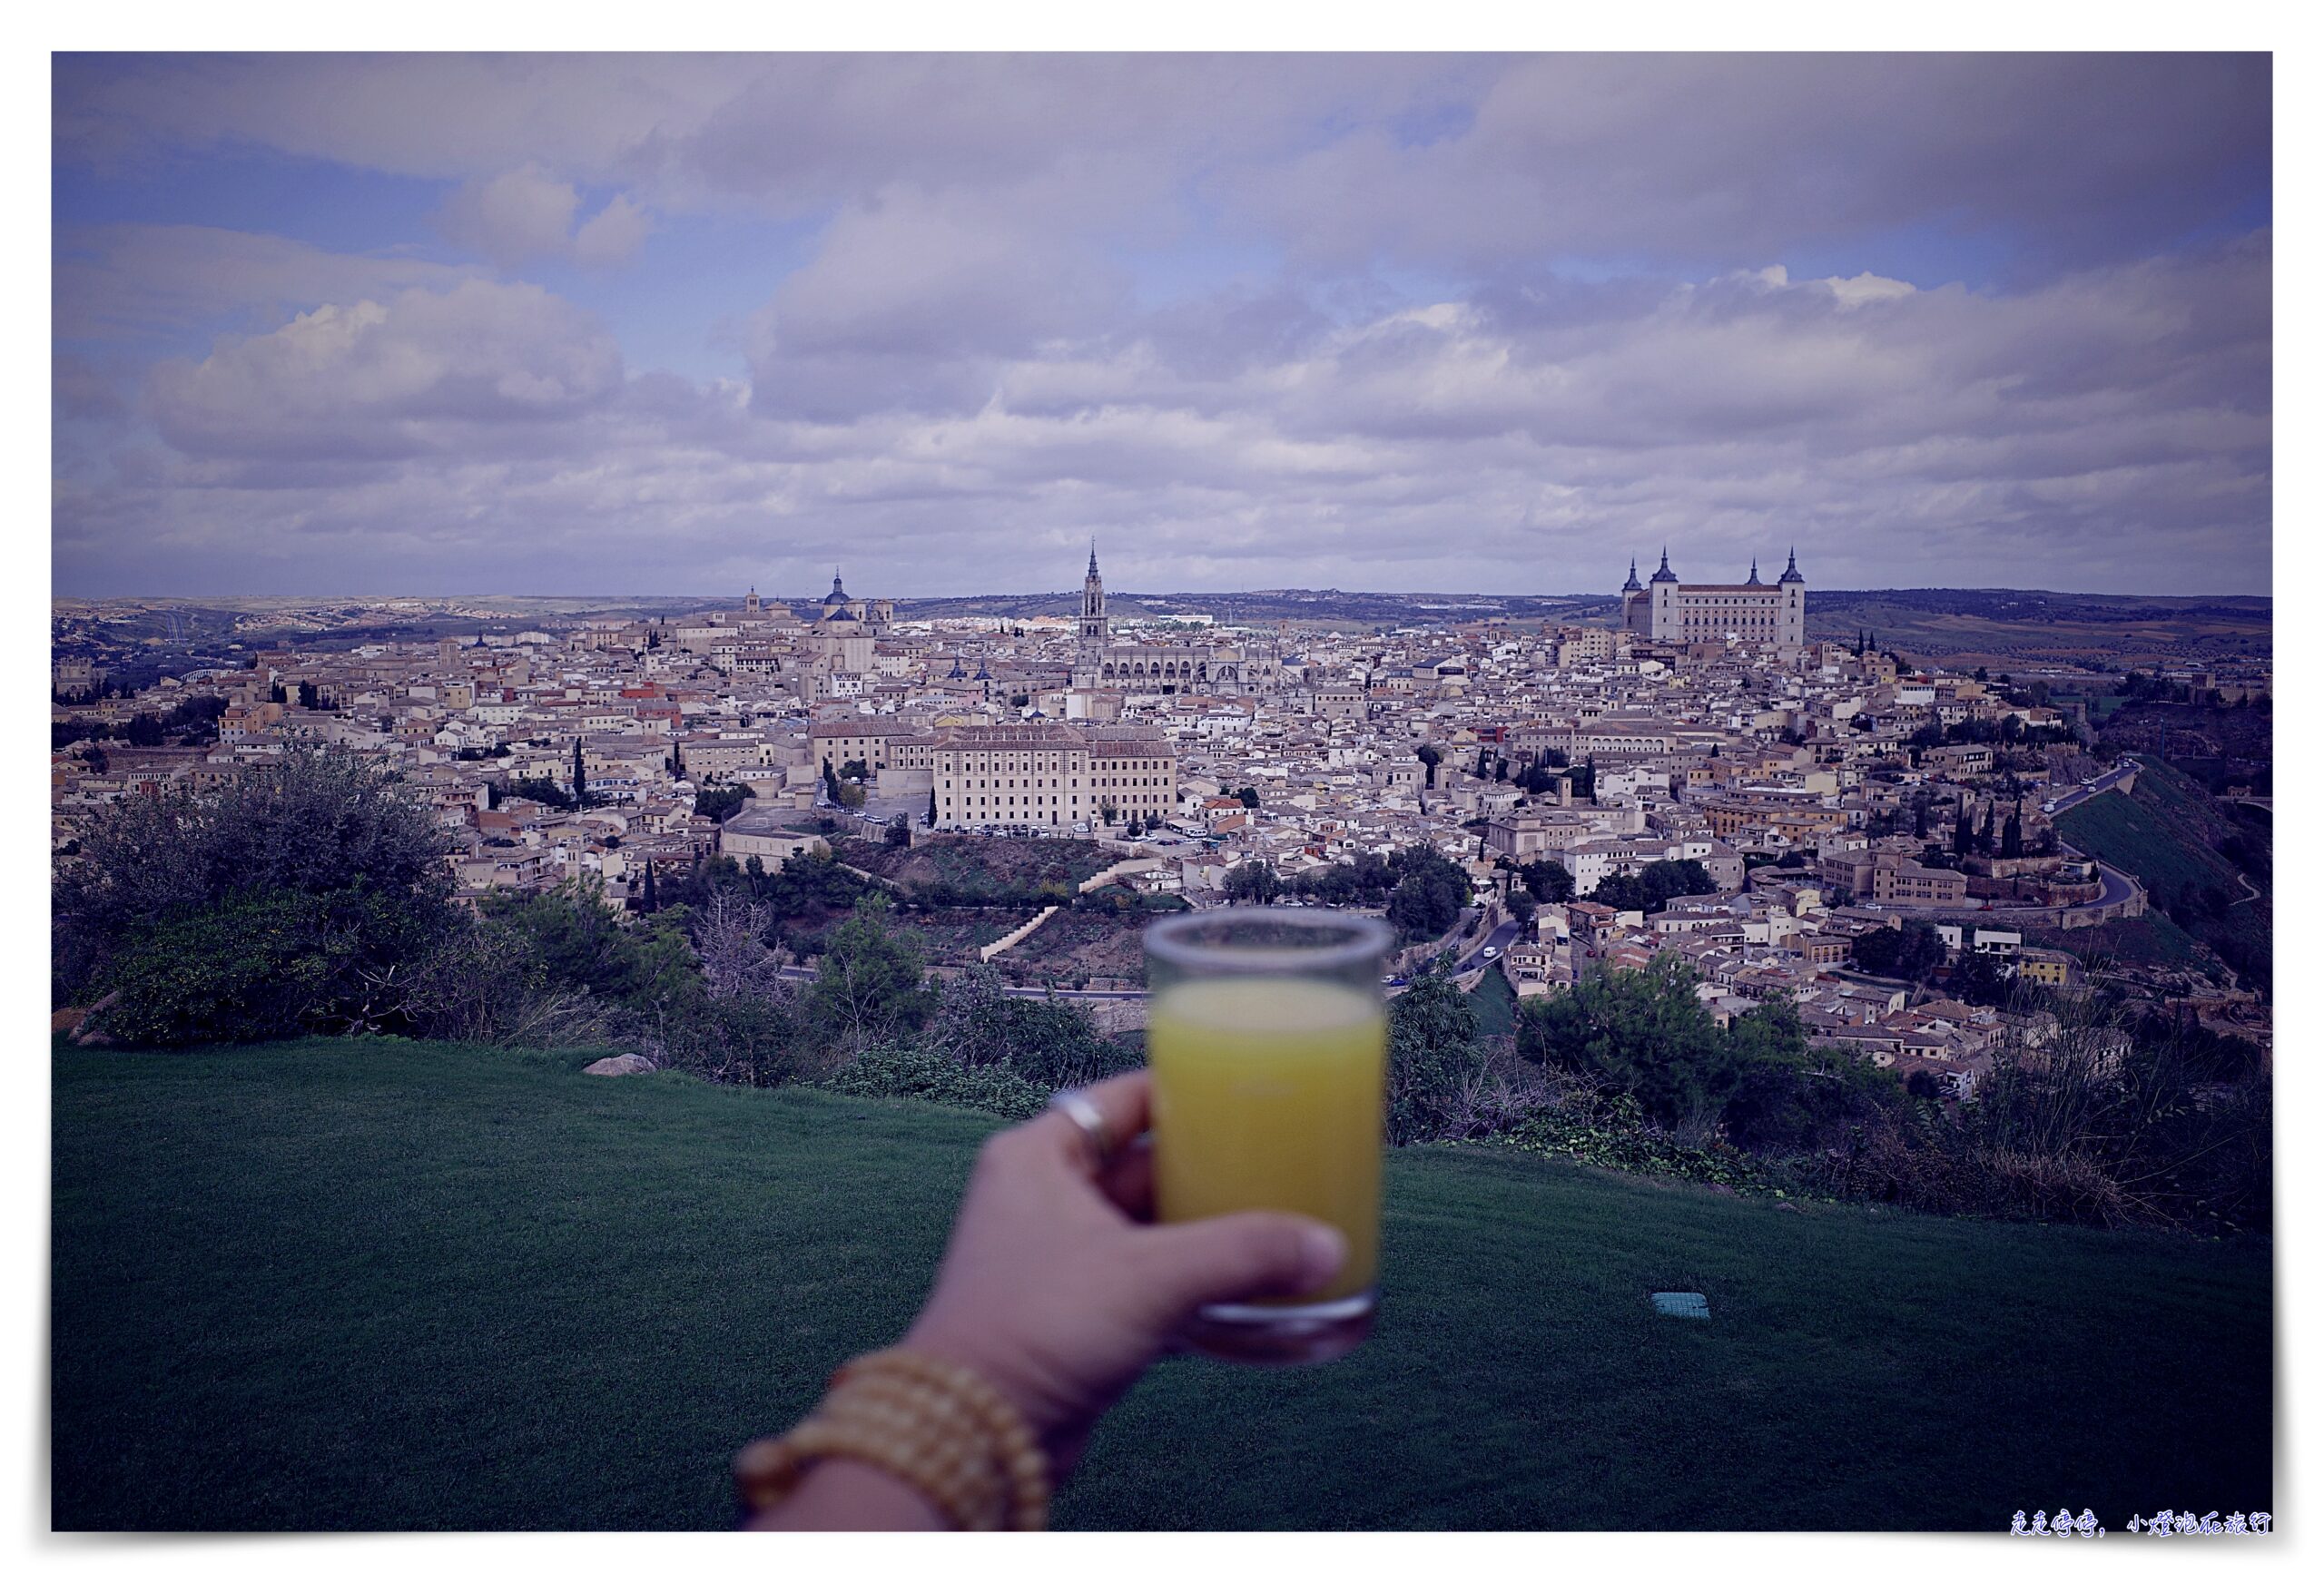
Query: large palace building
<point>1666,611</point>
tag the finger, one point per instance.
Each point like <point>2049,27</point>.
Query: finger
<point>1128,1180</point>
<point>1233,1258</point>
<point>1121,1106</point>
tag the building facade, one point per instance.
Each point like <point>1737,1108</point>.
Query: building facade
<point>1101,663</point>
<point>1042,772</point>
<point>1664,610</point>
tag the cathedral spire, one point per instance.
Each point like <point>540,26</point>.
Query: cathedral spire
<point>1093,554</point>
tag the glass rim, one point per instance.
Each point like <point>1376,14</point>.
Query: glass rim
<point>1366,938</point>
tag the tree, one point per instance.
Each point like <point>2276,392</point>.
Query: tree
<point>1961,829</point>
<point>1425,903</point>
<point>932,807</point>
<point>580,778</point>
<point>1911,952</point>
<point>144,731</point>
<point>720,803</point>
<point>1253,881</point>
<point>1431,756</point>
<point>1642,1032</point>
<point>1432,1057</point>
<point>868,984</point>
<point>1652,889</point>
<point>2013,837</point>
<point>1977,978</point>
<point>650,904</point>
<point>309,695</point>
<point>1547,879</point>
<point>1248,797</point>
<point>899,832</point>
<point>1106,812</point>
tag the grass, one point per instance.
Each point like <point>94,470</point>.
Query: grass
<point>385,1285</point>
<point>1496,1004</point>
<point>2166,831</point>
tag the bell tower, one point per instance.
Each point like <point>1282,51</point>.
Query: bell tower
<point>1093,606</point>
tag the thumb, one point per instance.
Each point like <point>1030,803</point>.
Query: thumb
<point>1231,1258</point>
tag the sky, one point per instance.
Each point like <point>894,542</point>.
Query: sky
<point>657,324</point>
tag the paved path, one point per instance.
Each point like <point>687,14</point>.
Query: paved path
<point>2098,787</point>
<point>1499,939</point>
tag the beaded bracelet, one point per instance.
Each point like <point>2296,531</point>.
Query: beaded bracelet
<point>935,1425</point>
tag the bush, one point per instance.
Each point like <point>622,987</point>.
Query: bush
<point>1051,1044</point>
<point>1612,1132</point>
<point>890,1072</point>
<point>237,973</point>
<point>1434,1061</point>
<point>743,1039</point>
<point>335,875</point>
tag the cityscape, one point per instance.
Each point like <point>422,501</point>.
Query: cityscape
<point>1825,791</point>
<point>1249,790</point>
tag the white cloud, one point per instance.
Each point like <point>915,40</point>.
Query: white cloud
<point>120,281</point>
<point>420,374</point>
<point>613,234</point>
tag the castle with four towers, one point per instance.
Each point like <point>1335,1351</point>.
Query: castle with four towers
<point>1664,610</point>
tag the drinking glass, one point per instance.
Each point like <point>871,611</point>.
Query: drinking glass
<point>1268,1041</point>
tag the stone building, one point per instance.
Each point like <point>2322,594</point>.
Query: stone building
<point>1666,611</point>
<point>1100,662</point>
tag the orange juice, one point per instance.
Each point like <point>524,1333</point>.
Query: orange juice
<point>1267,1095</point>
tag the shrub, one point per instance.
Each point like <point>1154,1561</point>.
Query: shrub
<point>1612,1132</point>
<point>1434,1060</point>
<point>242,971</point>
<point>1051,1044</point>
<point>337,876</point>
<point>743,1039</point>
<point>890,1072</point>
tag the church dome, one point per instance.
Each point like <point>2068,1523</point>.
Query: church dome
<point>838,595</point>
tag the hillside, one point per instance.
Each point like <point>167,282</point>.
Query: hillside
<point>380,1284</point>
<point>2168,833</point>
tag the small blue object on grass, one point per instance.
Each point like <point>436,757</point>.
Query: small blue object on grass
<point>1681,1305</point>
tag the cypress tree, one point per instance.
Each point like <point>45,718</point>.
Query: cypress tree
<point>931,808</point>
<point>651,903</point>
<point>580,778</point>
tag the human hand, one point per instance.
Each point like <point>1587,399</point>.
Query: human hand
<point>1056,1292</point>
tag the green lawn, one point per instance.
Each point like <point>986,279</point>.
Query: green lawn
<point>382,1285</point>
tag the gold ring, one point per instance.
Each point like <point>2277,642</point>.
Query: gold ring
<point>1075,1106</point>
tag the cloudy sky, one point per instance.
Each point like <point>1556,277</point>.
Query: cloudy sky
<point>664,324</point>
